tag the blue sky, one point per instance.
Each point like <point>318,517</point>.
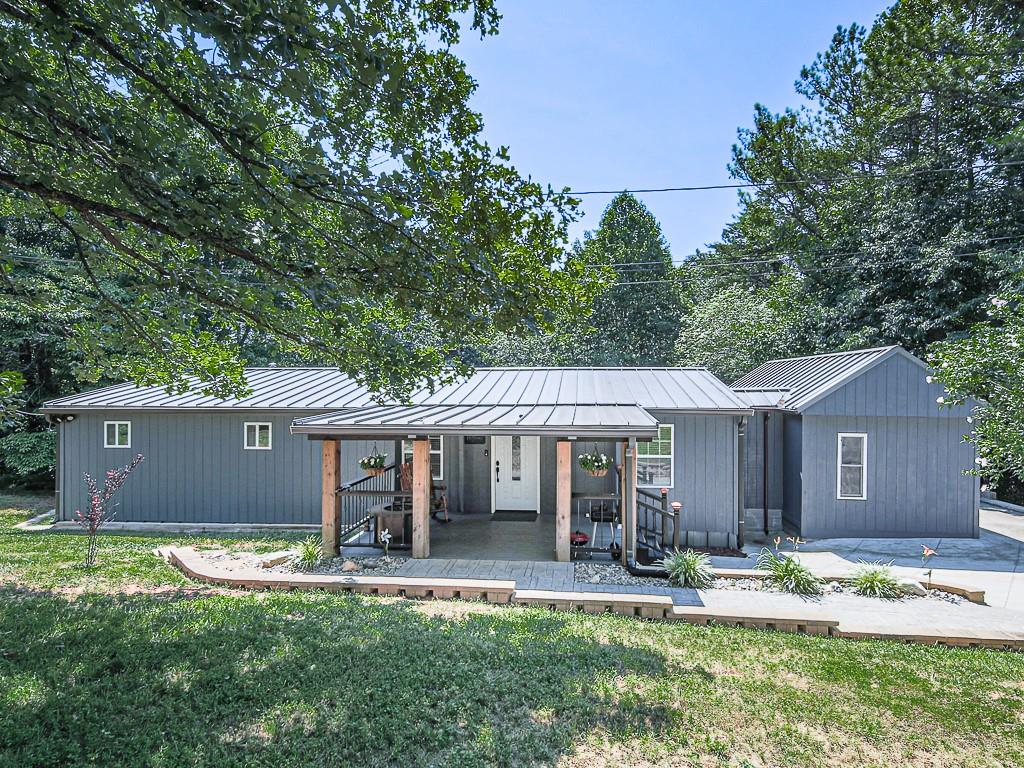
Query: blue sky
<point>608,94</point>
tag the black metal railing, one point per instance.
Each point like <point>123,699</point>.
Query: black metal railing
<point>658,524</point>
<point>355,500</point>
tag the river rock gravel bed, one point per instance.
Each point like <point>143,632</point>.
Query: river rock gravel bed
<point>611,573</point>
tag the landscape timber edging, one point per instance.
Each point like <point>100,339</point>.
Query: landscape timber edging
<point>192,563</point>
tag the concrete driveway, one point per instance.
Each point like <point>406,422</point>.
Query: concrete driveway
<point>994,562</point>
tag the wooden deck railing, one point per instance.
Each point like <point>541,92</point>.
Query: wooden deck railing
<point>659,523</point>
<point>354,499</point>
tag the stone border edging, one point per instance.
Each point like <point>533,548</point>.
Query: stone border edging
<point>192,564</point>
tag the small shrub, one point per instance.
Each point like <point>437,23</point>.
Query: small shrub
<point>789,574</point>
<point>310,550</point>
<point>689,569</point>
<point>876,580</point>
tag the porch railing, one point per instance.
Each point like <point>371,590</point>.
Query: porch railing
<point>658,523</point>
<point>354,500</point>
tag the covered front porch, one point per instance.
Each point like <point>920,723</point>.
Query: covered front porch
<point>563,516</point>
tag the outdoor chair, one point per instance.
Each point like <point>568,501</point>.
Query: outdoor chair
<point>438,492</point>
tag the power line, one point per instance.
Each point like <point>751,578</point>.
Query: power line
<point>779,256</point>
<point>830,268</point>
<point>792,182</point>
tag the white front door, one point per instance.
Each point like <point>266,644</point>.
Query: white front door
<point>515,473</point>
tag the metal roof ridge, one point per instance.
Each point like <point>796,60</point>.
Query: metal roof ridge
<point>820,355</point>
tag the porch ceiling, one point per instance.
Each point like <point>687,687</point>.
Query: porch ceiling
<point>591,421</point>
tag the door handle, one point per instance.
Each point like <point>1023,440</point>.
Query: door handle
<point>497,471</point>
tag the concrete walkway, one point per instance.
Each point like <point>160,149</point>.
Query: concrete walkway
<point>994,562</point>
<point>553,585</point>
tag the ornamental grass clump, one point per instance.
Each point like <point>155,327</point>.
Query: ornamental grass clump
<point>876,580</point>
<point>788,574</point>
<point>689,569</point>
<point>310,552</point>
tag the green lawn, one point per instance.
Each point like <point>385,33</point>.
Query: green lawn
<point>90,675</point>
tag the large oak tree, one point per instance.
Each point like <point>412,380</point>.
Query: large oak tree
<point>311,173</point>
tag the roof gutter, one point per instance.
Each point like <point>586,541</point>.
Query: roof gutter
<point>368,431</point>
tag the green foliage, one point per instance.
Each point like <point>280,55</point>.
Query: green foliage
<point>635,318</point>
<point>218,659</point>
<point>310,552</point>
<point>876,580</point>
<point>30,455</point>
<point>739,327</point>
<point>310,174</point>
<point>894,199</point>
<point>11,385</point>
<point>689,569</point>
<point>788,573</point>
<point>986,364</point>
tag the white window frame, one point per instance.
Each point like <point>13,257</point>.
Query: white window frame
<point>407,453</point>
<point>270,435</point>
<point>863,465</point>
<point>671,457</point>
<point>107,444</point>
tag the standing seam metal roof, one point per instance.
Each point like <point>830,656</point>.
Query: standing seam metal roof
<point>806,378</point>
<point>680,389</point>
<point>583,420</point>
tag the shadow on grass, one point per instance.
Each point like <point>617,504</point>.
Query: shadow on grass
<point>312,679</point>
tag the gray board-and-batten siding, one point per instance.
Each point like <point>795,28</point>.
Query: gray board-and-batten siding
<point>197,471</point>
<point>917,460</point>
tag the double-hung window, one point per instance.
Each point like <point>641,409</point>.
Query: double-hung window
<point>436,456</point>
<point>258,435</point>
<point>117,434</point>
<point>852,466</point>
<point>654,459</point>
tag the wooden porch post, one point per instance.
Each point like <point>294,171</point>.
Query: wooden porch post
<point>328,489</point>
<point>421,497</point>
<point>623,500</point>
<point>629,498</point>
<point>563,499</point>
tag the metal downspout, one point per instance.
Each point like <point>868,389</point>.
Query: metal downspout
<point>764,471</point>
<point>740,482</point>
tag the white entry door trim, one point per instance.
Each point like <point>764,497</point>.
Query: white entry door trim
<point>510,490</point>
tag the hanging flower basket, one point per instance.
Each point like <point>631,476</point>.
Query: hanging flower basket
<point>374,464</point>
<point>595,464</point>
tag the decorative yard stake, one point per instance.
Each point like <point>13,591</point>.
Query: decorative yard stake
<point>385,539</point>
<point>927,553</point>
<point>100,509</point>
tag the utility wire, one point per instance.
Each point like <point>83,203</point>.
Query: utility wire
<point>793,182</point>
<point>892,261</point>
<point>777,256</point>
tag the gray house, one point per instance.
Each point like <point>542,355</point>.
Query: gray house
<point>845,444</point>
<point>500,445</point>
<point>857,444</point>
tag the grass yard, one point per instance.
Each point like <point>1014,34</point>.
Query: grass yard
<point>93,675</point>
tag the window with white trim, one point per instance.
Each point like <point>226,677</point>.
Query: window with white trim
<point>654,461</point>
<point>258,435</point>
<point>436,456</point>
<point>852,466</point>
<point>117,434</point>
